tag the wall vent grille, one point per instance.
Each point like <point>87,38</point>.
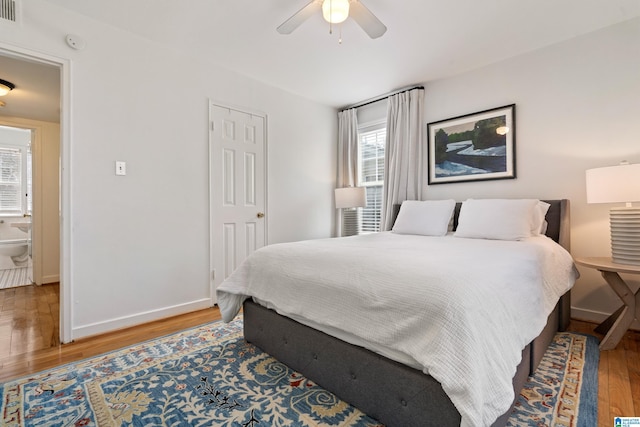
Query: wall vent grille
<point>9,10</point>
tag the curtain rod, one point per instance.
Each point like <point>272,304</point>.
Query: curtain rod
<point>381,97</point>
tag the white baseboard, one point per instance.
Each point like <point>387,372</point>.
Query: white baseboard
<point>52,278</point>
<point>138,318</point>
<point>596,317</point>
<point>149,316</point>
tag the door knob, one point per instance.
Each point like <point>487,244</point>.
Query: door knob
<point>260,215</point>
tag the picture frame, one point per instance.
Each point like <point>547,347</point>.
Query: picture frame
<point>474,147</point>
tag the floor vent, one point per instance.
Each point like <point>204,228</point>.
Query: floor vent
<point>9,10</point>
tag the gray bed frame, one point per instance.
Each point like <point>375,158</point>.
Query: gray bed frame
<point>392,393</point>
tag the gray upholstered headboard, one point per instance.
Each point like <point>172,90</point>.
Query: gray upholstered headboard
<point>557,218</point>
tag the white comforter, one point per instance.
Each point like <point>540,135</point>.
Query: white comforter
<point>460,309</point>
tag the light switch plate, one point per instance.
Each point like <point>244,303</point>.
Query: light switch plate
<point>121,168</point>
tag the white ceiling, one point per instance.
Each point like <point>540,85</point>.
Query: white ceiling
<point>425,40</point>
<point>37,92</point>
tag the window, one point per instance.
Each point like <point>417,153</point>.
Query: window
<point>371,141</point>
<point>10,181</point>
<point>15,171</point>
<point>29,187</point>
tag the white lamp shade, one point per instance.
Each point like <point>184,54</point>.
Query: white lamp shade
<point>335,11</point>
<point>350,197</point>
<point>614,184</point>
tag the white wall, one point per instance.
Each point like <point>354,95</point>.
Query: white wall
<point>577,107</point>
<point>372,113</point>
<point>139,243</point>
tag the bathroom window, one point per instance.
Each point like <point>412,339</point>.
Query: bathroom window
<point>11,181</point>
<point>15,171</point>
<point>29,182</point>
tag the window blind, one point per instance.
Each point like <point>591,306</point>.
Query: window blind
<point>29,182</point>
<point>10,180</point>
<point>371,176</point>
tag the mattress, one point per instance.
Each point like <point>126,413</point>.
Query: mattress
<point>461,310</point>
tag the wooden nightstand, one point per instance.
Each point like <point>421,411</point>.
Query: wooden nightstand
<point>615,326</point>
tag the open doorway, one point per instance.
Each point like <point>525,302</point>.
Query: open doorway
<point>16,207</point>
<point>33,109</point>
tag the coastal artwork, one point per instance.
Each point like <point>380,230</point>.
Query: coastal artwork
<point>474,147</point>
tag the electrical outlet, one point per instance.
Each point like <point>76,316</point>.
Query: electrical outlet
<point>121,168</point>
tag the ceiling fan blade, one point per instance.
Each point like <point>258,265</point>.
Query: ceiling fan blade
<point>367,20</point>
<point>299,17</point>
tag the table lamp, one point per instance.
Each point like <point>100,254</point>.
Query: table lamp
<point>346,199</point>
<point>619,184</point>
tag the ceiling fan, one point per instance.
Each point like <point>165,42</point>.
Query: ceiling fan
<point>335,12</point>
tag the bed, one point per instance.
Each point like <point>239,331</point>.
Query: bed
<point>397,379</point>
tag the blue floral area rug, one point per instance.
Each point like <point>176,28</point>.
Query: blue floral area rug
<point>208,376</point>
<point>564,389</point>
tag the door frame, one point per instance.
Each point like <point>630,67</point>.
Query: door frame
<point>265,187</point>
<point>66,253</point>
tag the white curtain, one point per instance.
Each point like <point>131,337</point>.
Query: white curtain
<point>403,152</point>
<point>347,154</point>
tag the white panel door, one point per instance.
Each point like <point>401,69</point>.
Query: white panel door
<point>237,188</point>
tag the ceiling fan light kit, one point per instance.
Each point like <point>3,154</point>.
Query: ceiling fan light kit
<point>335,12</point>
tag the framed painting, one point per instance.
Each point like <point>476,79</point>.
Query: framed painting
<point>474,147</point>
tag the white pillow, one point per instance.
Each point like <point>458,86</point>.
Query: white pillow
<point>498,219</point>
<point>426,218</point>
<point>539,225</point>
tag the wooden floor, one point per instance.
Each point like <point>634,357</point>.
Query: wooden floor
<point>29,319</point>
<point>618,376</point>
<point>29,343</point>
